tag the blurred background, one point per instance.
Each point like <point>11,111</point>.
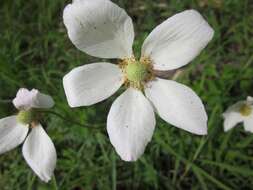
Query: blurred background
<point>35,52</point>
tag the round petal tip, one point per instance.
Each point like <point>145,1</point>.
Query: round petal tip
<point>39,153</point>
<point>92,83</point>
<point>95,25</point>
<point>178,105</point>
<point>12,133</point>
<point>178,40</point>
<point>130,124</point>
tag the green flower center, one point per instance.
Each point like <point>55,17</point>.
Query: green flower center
<point>26,117</point>
<point>245,110</point>
<point>136,72</point>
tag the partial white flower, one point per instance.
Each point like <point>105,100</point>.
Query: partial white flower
<point>38,149</point>
<point>101,28</point>
<point>241,112</point>
<point>26,100</point>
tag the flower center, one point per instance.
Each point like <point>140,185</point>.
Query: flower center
<point>137,73</point>
<point>26,117</point>
<point>245,110</point>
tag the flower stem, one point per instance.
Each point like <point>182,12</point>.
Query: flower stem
<point>7,101</point>
<point>114,172</point>
<point>73,121</point>
<point>31,182</point>
<point>54,183</point>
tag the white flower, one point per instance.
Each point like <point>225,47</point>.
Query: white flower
<point>102,29</point>
<point>38,149</point>
<point>242,111</point>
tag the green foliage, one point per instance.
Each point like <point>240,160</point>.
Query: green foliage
<point>36,53</point>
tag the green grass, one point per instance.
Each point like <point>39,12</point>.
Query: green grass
<point>35,52</point>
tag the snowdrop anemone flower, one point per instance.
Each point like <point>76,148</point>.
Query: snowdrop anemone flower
<point>100,28</point>
<point>38,149</point>
<point>241,112</point>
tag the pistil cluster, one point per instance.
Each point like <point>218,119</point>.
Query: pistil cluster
<point>28,117</point>
<point>245,110</point>
<point>137,73</point>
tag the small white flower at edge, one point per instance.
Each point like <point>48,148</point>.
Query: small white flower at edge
<point>38,149</point>
<point>241,112</point>
<point>101,28</point>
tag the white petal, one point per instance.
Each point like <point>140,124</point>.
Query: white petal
<point>12,133</point>
<point>250,99</point>
<point>42,100</point>
<point>178,105</point>
<point>92,83</point>
<point>99,28</point>
<point>232,116</point>
<point>248,123</point>
<point>40,154</point>
<point>26,99</point>
<point>178,40</point>
<point>130,124</point>
<point>231,119</point>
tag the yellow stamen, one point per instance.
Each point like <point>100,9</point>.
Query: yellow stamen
<point>137,73</point>
<point>245,110</point>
